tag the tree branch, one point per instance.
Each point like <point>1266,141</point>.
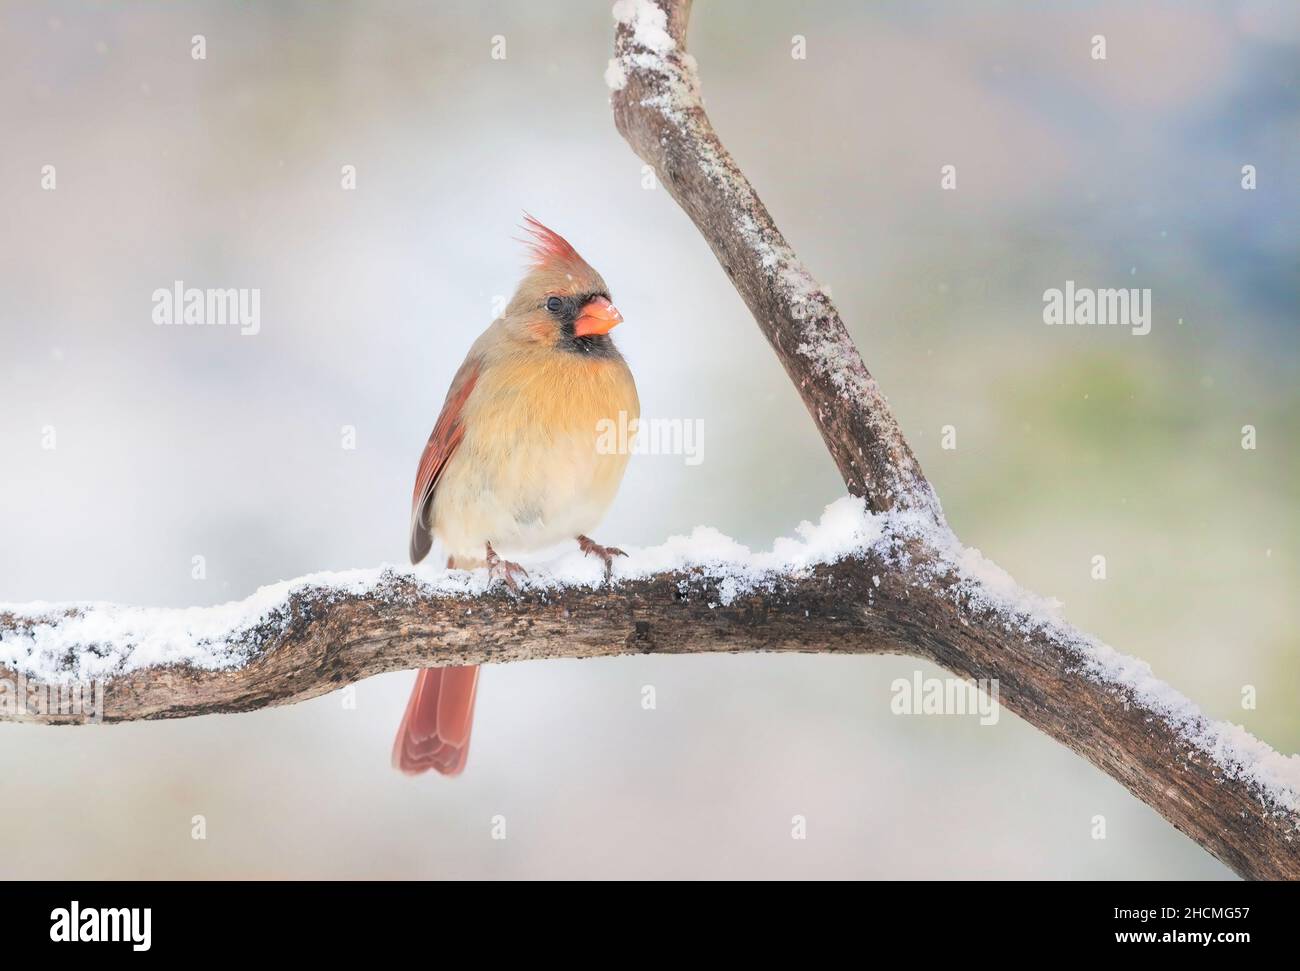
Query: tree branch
<point>657,108</point>
<point>321,635</point>
<point>882,574</point>
<point>1055,681</point>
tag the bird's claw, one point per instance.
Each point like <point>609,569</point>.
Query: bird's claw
<point>606,553</point>
<point>499,569</point>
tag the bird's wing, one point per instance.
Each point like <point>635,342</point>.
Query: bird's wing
<point>446,436</point>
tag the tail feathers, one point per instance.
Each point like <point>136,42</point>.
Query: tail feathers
<point>436,728</point>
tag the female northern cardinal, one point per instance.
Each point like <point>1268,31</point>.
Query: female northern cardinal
<point>513,461</point>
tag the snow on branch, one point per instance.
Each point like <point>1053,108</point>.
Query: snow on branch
<point>854,582</point>
<point>659,110</point>
<point>60,643</point>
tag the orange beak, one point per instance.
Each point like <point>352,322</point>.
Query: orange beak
<point>598,316</point>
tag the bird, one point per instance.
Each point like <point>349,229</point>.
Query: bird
<point>514,462</point>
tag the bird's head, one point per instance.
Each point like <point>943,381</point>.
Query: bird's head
<point>562,303</point>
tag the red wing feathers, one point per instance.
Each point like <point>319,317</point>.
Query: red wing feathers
<point>446,436</point>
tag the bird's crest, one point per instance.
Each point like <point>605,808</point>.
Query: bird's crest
<point>548,249</point>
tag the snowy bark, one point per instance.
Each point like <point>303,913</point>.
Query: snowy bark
<point>657,108</point>
<point>879,574</point>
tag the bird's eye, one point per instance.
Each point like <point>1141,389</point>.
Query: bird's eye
<point>553,304</point>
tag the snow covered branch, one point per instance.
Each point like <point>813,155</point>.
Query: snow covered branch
<point>306,637</point>
<point>1231,793</point>
<point>658,109</point>
<point>855,582</point>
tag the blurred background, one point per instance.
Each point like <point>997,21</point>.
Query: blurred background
<point>176,442</point>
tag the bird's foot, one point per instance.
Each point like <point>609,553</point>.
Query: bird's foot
<point>606,553</point>
<point>499,569</point>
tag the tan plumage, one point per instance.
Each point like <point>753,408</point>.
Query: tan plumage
<point>513,462</point>
<point>527,473</point>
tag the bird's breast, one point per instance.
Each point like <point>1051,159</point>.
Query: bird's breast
<point>537,464</point>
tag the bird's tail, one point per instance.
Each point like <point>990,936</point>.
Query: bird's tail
<point>435,729</point>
